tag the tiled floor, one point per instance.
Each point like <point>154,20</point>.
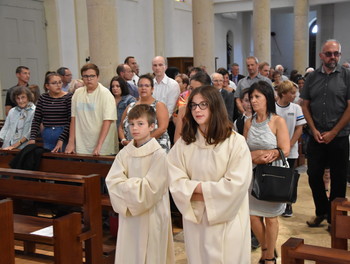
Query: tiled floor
<point>294,226</point>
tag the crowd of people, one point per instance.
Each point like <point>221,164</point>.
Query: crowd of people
<point>198,136</point>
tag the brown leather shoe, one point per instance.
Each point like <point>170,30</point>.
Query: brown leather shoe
<point>316,221</point>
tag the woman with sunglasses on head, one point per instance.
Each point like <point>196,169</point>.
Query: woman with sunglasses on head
<point>53,110</point>
<point>264,132</point>
<point>210,172</point>
<point>145,89</point>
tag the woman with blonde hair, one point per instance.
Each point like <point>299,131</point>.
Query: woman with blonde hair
<point>75,84</point>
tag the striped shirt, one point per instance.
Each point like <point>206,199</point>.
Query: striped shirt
<point>52,112</point>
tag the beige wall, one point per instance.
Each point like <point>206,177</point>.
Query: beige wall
<point>52,34</point>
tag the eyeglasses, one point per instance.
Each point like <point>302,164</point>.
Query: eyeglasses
<point>218,81</point>
<point>56,83</point>
<point>201,105</point>
<point>144,85</point>
<point>92,76</point>
<point>329,54</point>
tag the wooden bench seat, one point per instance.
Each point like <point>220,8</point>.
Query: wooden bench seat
<point>74,190</point>
<point>81,164</point>
<point>65,240</point>
<point>7,247</point>
<point>294,251</point>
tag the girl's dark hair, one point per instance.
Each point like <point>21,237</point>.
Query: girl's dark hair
<point>49,75</point>
<point>148,77</point>
<point>267,90</point>
<point>18,90</point>
<point>122,83</point>
<point>219,128</point>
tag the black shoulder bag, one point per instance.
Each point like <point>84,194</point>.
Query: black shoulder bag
<point>275,184</point>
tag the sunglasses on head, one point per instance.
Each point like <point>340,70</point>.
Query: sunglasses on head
<point>330,54</point>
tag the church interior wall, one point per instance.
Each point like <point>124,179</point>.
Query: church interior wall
<point>178,31</point>
<point>282,26</point>
<point>136,32</point>
<point>240,48</point>
<point>341,22</point>
<point>221,27</point>
<point>67,36</point>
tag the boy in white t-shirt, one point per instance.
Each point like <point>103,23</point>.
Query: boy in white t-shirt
<point>295,120</point>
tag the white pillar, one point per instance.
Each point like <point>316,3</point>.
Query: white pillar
<point>301,35</point>
<point>262,30</point>
<point>159,35</point>
<point>203,34</point>
<point>82,30</point>
<point>103,37</point>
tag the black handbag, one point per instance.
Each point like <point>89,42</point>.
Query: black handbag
<point>275,184</point>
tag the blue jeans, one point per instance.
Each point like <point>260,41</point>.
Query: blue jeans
<point>50,136</point>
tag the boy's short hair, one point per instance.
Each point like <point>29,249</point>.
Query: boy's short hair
<point>90,66</point>
<point>143,110</point>
<point>284,87</point>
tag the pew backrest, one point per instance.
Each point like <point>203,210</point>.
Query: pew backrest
<point>7,247</point>
<point>74,190</point>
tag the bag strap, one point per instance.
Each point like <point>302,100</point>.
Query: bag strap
<point>283,158</point>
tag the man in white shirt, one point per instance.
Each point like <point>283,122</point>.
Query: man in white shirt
<point>166,90</point>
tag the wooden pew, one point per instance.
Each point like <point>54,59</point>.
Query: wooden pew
<point>72,190</point>
<point>294,251</point>
<point>7,247</point>
<point>67,231</point>
<point>69,164</point>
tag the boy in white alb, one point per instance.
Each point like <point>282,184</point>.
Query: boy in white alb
<point>138,187</point>
<point>295,120</point>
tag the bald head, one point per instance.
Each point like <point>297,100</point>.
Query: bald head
<point>159,66</point>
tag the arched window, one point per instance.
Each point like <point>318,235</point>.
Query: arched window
<point>312,43</point>
<point>229,48</point>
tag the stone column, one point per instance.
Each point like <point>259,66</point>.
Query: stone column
<point>103,37</point>
<point>203,34</point>
<point>301,35</point>
<point>262,30</point>
<point>81,20</point>
<point>159,35</point>
<point>2,106</point>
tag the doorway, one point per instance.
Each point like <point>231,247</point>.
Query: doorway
<point>22,42</point>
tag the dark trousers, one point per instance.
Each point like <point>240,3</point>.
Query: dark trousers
<point>336,156</point>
